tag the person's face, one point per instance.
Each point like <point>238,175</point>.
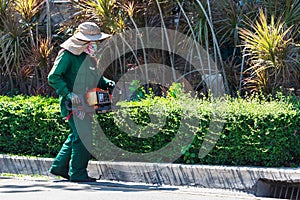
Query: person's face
<point>91,48</point>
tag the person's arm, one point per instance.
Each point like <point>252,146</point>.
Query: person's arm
<point>105,83</point>
<point>56,75</point>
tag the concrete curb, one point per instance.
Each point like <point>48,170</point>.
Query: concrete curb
<point>223,177</point>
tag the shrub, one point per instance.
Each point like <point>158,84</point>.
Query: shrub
<point>274,56</point>
<point>254,132</point>
<point>31,126</point>
<point>259,133</point>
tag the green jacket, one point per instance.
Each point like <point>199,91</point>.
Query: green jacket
<point>74,73</point>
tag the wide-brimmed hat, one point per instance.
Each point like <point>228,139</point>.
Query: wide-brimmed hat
<point>86,32</point>
<point>89,31</point>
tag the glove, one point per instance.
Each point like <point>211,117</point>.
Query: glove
<point>111,84</point>
<point>74,98</point>
<point>80,114</point>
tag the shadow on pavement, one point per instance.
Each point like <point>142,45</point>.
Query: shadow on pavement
<point>127,187</point>
<point>15,185</point>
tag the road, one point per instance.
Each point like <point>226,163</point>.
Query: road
<point>35,188</point>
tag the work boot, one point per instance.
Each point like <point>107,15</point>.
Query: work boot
<point>64,175</point>
<point>88,179</point>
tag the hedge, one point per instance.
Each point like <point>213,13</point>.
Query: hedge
<point>31,126</point>
<point>253,132</point>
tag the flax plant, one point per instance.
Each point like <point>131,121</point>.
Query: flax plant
<point>199,25</point>
<point>18,20</point>
<point>106,12</point>
<point>39,64</point>
<point>292,17</point>
<point>28,10</point>
<point>272,55</point>
<point>14,49</point>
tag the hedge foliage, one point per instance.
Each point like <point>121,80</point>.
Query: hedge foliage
<point>253,132</point>
<point>31,126</point>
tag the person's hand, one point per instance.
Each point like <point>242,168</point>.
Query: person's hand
<point>111,84</point>
<point>74,98</point>
<point>80,114</point>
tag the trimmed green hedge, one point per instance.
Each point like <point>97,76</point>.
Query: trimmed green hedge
<point>253,133</point>
<point>31,126</point>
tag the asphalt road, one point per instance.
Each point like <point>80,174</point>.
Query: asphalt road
<point>29,188</point>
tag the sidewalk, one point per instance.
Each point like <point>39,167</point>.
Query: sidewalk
<point>30,188</point>
<point>249,179</point>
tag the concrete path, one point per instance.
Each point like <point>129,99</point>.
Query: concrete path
<point>47,188</point>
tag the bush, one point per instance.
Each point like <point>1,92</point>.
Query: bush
<point>31,126</point>
<point>254,132</point>
<point>259,133</point>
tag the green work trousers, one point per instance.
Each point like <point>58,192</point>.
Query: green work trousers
<point>73,157</point>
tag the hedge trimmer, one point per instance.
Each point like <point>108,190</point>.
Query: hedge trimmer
<point>94,101</point>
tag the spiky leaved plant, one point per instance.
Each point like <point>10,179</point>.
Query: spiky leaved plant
<point>272,55</point>
<point>14,47</point>
<point>39,64</point>
<point>107,13</point>
<point>18,20</point>
<point>28,11</point>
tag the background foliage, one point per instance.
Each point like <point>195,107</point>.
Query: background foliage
<point>256,132</point>
<point>30,40</point>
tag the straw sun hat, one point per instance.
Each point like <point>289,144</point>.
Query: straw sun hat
<point>86,32</point>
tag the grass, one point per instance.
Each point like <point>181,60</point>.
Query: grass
<point>25,176</point>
